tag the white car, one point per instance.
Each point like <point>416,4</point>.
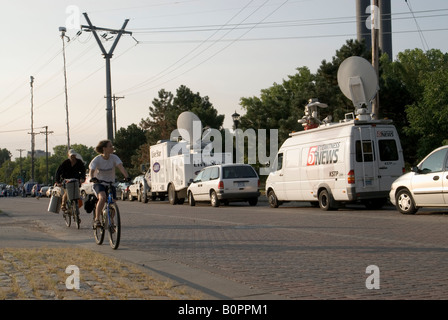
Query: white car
<point>425,186</point>
<point>225,183</point>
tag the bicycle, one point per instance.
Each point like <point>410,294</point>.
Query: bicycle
<point>109,218</point>
<point>71,186</point>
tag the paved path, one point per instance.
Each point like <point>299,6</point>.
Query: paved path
<point>26,238</point>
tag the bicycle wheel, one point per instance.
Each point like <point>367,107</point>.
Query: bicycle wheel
<point>115,228</point>
<point>67,215</point>
<point>99,231</point>
<point>75,213</point>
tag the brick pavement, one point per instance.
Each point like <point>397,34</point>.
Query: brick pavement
<point>299,253</point>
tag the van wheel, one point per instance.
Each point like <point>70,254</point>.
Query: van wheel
<point>172,196</point>
<point>405,203</point>
<point>191,200</point>
<point>326,201</point>
<point>214,199</point>
<point>272,199</point>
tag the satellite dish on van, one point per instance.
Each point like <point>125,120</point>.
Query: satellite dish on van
<point>358,81</point>
<point>188,123</point>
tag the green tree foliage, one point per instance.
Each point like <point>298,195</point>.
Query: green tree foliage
<point>426,76</point>
<point>10,170</point>
<point>5,155</point>
<point>127,143</point>
<point>166,108</point>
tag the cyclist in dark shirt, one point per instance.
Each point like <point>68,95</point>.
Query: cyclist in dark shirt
<point>72,168</point>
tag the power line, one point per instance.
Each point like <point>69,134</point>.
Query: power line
<point>420,33</point>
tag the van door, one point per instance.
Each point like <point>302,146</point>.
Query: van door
<point>428,183</point>
<point>366,168</point>
<point>276,177</point>
<point>390,157</point>
<point>291,175</point>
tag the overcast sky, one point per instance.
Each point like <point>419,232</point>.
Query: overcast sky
<point>223,49</point>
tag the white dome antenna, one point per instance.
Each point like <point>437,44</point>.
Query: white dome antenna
<point>358,81</point>
<point>189,127</point>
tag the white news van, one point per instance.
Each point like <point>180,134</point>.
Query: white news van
<point>344,162</point>
<point>329,164</point>
<point>174,164</point>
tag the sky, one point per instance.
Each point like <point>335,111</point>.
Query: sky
<point>223,49</point>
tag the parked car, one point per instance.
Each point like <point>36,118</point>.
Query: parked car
<point>122,190</point>
<point>424,185</point>
<point>138,189</point>
<point>86,188</point>
<point>27,187</point>
<point>225,183</point>
<point>44,190</point>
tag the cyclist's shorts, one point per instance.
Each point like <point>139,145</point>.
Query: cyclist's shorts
<point>98,187</point>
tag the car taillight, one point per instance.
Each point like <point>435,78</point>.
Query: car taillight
<point>221,185</point>
<point>351,177</point>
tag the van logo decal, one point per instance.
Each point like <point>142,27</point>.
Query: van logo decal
<point>156,167</point>
<point>323,154</point>
<point>388,133</point>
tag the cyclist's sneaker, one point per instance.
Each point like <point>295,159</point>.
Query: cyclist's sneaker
<point>96,224</point>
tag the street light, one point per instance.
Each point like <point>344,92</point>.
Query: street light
<point>236,120</point>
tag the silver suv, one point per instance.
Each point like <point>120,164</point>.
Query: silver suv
<point>225,183</point>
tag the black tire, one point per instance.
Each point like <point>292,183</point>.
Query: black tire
<point>191,200</point>
<point>99,231</point>
<point>67,218</point>
<point>114,232</point>
<point>145,196</point>
<point>326,201</point>
<point>253,201</point>
<point>75,213</point>
<point>172,195</point>
<point>405,202</point>
<point>214,201</point>
<point>272,199</point>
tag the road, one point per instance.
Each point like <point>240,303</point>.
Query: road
<point>295,251</point>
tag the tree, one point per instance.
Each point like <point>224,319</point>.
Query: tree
<point>127,142</point>
<point>5,155</point>
<point>425,77</point>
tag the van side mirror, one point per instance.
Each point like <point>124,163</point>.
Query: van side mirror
<point>414,169</point>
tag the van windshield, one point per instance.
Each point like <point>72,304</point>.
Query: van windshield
<point>238,172</point>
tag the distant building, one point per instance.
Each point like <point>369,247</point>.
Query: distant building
<point>38,154</point>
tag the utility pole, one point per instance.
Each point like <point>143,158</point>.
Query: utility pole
<point>46,133</point>
<point>107,56</point>
<point>63,30</point>
<point>375,62</point>
<point>32,130</point>
<point>114,99</point>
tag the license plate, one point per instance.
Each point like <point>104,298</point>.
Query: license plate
<point>368,182</point>
<point>240,184</point>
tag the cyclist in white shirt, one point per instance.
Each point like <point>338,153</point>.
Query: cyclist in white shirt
<point>103,167</point>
